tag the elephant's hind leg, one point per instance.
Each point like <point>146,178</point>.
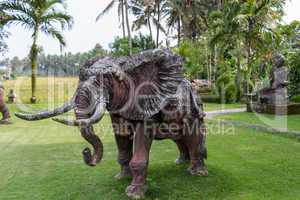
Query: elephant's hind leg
<point>184,156</point>
<point>195,141</point>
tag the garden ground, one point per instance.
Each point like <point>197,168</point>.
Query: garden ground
<point>42,160</point>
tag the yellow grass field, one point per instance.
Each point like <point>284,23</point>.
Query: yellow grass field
<point>49,89</point>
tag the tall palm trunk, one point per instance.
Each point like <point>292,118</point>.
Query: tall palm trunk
<point>249,47</point>
<point>33,60</point>
<point>128,27</point>
<point>158,22</point>
<point>123,18</point>
<point>178,32</point>
<point>238,76</point>
<point>149,25</point>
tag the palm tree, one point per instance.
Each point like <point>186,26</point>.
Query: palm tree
<point>173,13</point>
<point>144,15</point>
<point>158,5</point>
<point>121,13</point>
<point>243,25</point>
<point>3,35</point>
<point>128,26</point>
<point>38,16</point>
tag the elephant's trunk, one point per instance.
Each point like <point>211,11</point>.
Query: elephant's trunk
<point>88,134</point>
<point>89,109</point>
<point>83,106</point>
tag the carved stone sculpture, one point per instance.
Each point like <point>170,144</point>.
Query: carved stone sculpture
<point>11,96</point>
<point>276,93</point>
<point>274,98</point>
<point>147,98</point>
<point>3,108</point>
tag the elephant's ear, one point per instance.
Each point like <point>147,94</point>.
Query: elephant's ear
<point>156,77</point>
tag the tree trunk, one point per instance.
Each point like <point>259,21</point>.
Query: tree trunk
<point>215,62</point>
<point>238,76</point>
<point>178,32</point>
<point>158,22</point>
<point>33,60</point>
<point>149,26</point>
<point>128,27</point>
<point>123,18</point>
<point>249,48</point>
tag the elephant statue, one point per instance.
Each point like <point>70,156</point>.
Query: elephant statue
<point>147,98</point>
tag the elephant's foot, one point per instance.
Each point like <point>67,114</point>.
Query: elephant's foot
<point>125,173</point>
<point>181,160</point>
<point>135,191</point>
<point>198,170</point>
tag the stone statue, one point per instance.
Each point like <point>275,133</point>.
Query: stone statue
<point>276,93</point>
<point>11,96</point>
<point>148,99</point>
<point>274,98</point>
<point>3,108</point>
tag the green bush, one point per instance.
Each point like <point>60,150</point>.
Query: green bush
<point>231,92</point>
<point>139,43</point>
<point>296,98</point>
<point>294,75</point>
<point>227,88</point>
<point>194,59</point>
<point>210,98</point>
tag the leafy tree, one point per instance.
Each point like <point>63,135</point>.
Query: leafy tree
<point>3,35</point>
<point>140,43</point>
<point>38,16</point>
<point>194,59</point>
<point>3,45</point>
<point>16,65</point>
<point>294,75</point>
<point>144,15</point>
<point>244,29</point>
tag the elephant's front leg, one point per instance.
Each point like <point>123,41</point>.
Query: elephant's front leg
<point>139,162</point>
<point>123,136</point>
<point>124,144</point>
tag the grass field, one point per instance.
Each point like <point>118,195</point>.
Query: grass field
<point>49,90</point>
<point>216,106</point>
<point>42,160</point>
<point>291,122</point>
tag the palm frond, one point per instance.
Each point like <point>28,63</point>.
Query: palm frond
<point>63,19</point>
<point>51,31</point>
<point>106,9</point>
<point>159,26</point>
<point>18,19</point>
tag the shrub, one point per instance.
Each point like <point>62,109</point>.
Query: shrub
<point>296,98</point>
<point>194,59</point>
<point>227,88</point>
<point>210,98</point>
<point>140,42</point>
<point>294,75</point>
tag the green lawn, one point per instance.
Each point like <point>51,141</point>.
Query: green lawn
<point>42,160</point>
<point>291,122</point>
<point>216,106</point>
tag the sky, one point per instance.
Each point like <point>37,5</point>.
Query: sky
<point>86,32</point>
